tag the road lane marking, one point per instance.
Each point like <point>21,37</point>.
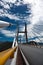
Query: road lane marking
<point>27,63</point>
<point>15,58</point>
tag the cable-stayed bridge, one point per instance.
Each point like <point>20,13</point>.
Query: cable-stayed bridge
<point>22,54</point>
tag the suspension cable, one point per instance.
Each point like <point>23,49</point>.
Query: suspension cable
<point>36,35</point>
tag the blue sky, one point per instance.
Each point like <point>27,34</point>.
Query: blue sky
<point>21,11</point>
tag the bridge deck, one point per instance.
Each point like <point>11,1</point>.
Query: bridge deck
<point>34,55</point>
<point>20,60</point>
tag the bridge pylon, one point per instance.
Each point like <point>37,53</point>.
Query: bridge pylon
<point>25,32</point>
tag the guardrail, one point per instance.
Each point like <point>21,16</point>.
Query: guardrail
<point>5,55</point>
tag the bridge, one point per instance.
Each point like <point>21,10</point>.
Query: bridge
<point>22,54</point>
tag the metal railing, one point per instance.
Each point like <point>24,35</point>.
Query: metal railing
<point>5,55</point>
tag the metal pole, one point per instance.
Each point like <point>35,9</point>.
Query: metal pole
<point>26,32</point>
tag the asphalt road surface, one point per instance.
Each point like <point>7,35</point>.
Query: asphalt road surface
<point>33,55</point>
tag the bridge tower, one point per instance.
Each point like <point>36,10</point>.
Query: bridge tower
<point>25,32</point>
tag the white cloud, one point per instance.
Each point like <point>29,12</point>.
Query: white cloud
<point>22,34</point>
<point>8,33</point>
<point>11,16</point>
<point>29,1</point>
<point>42,40</point>
<point>41,33</point>
<point>2,13</point>
<point>36,10</point>
<point>5,5</point>
<point>9,1</point>
<point>37,40</point>
<point>36,16</point>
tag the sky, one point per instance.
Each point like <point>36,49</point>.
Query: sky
<point>19,12</point>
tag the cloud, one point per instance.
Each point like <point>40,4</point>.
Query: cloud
<point>4,5</point>
<point>8,33</point>
<point>33,13</point>
<point>36,17</point>
<point>10,16</point>
<point>4,11</point>
<point>9,1</point>
<point>13,12</point>
<point>36,10</point>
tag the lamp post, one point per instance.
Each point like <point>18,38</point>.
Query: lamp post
<point>5,24</point>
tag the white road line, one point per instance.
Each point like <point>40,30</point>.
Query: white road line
<point>27,63</point>
<point>15,58</point>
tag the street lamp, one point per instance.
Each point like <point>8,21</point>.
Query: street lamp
<point>5,24</point>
